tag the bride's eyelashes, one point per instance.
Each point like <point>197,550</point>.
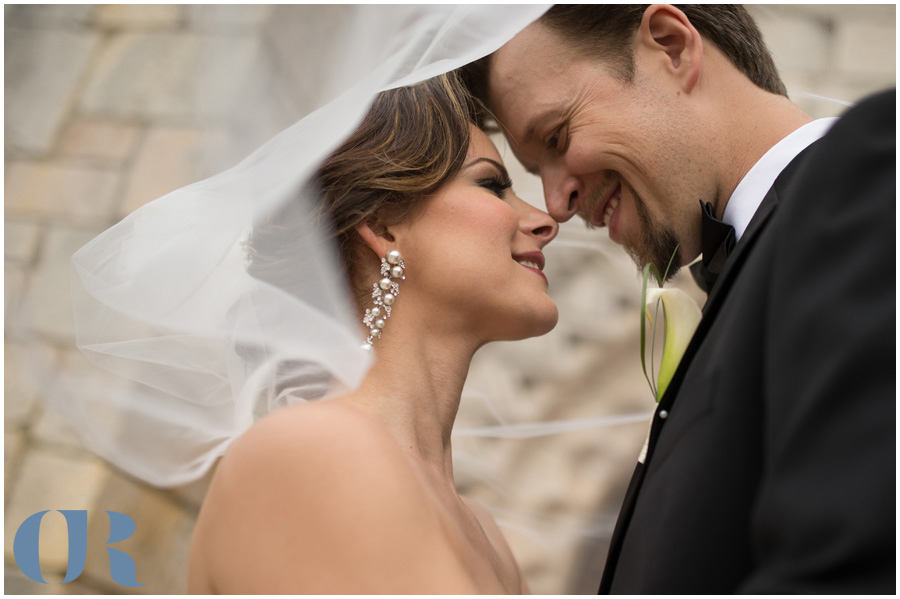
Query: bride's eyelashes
<point>495,178</point>
<point>496,184</point>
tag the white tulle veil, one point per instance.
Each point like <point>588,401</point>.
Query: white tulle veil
<point>164,299</point>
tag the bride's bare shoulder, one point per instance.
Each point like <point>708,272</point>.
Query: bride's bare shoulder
<point>313,454</point>
<point>304,435</point>
<point>325,446</point>
<point>301,493</point>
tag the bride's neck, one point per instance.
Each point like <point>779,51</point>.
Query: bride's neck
<point>414,387</point>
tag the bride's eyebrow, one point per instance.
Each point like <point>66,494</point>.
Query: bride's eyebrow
<point>499,166</point>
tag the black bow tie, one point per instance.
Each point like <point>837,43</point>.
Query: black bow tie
<point>717,241</point>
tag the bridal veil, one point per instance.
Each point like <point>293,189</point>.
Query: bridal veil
<point>164,300</point>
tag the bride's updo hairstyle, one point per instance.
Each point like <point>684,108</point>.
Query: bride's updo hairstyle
<point>412,141</point>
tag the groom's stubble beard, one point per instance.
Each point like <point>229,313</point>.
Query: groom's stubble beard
<point>658,243</point>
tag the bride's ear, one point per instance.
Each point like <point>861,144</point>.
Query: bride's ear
<point>378,242</point>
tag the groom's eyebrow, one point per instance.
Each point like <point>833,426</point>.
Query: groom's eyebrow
<point>530,128</point>
<point>537,121</point>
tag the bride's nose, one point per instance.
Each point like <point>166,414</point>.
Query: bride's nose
<point>536,223</point>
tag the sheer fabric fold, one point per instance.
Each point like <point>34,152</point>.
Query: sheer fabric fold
<point>163,299</point>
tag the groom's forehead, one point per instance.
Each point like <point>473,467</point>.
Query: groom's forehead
<point>527,82</point>
<point>532,67</point>
<point>534,48</point>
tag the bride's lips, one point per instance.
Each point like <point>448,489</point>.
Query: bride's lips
<point>536,258</point>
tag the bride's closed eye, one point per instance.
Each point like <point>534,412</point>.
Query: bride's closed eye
<point>494,178</point>
<point>497,184</point>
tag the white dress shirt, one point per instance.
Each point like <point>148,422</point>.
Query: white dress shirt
<point>749,193</point>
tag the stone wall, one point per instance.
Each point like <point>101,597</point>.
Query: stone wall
<point>111,106</point>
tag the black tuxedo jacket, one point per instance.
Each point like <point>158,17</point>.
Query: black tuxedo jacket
<point>771,459</point>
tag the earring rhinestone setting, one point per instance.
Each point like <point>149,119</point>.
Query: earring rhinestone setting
<point>384,293</point>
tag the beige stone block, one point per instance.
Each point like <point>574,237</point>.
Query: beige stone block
<point>83,394</point>
<point>139,16</point>
<point>20,239</point>
<point>872,12</point>
<point>51,429</point>
<point>47,306</point>
<point>145,75</point>
<point>797,43</point>
<point>851,92</point>
<point>815,95</point>
<point>50,481</point>
<point>166,160</point>
<point>46,15</point>
<point>866,48</point>
<point>160,543</point>
<point>42,71</point>
<point>16,583</point>
<point>14,277</point>
<point>13,448</point>
<point>176,76</point>
<point>227,17</point>
<point>104,141</point>
<point>28,371</point>
<point>859,56</point>
<point>60,190</point>
<point>296,46</point>
<point>826,104</point>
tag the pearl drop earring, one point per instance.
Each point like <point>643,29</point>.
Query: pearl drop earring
<point>384,293</point>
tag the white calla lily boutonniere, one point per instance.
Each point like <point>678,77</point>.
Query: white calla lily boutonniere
<point>681,315</point>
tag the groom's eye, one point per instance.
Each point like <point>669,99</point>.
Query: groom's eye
<point>553,140</point>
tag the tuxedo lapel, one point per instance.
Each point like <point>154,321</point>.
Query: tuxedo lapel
<point>754,227</point>
<point>720,290</point>
<point>716,298</point>
<point>736,259</point>
<point>615,542</point>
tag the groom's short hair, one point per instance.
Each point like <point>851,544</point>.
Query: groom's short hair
<point>606,32</point>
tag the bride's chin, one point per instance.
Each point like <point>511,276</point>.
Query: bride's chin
<point>536,323</point>
<point>548,322</point>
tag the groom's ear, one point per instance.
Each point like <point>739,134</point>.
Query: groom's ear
<point>669,35</point>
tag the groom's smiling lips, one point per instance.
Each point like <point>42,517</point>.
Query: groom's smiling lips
<point>596,217</point>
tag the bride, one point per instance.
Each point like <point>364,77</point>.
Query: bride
<point>356,494</point>
<point>227,311</point>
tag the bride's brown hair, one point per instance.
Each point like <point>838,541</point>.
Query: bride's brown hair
<point>412,141</point>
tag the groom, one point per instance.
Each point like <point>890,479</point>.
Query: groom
<point>770,466</point>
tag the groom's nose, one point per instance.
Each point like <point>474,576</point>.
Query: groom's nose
<point>563,195</point>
